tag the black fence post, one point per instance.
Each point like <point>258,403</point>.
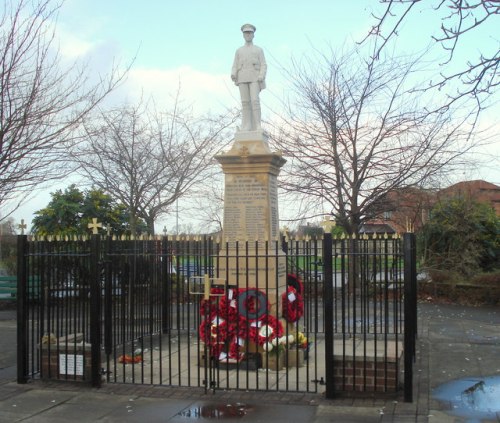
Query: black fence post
<point>166,285</point>
<point>410,311</point>
<point>22,309</point>
<point>328,310</point>
<point>95,311</point>
<point>109,288</point>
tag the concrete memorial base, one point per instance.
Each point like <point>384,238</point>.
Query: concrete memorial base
<point>67,357</point>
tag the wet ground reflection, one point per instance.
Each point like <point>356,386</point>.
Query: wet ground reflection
<point>215,411</point>
<point>471,398</point>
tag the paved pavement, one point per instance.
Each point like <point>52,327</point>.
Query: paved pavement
<point>455,344</point>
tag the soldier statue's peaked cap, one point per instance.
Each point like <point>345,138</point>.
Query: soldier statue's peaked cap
<point>248,28</point>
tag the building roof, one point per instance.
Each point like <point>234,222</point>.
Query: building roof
<point>376,228</point>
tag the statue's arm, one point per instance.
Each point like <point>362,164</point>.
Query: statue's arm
<point>263,66</point>
<point>234,69</point>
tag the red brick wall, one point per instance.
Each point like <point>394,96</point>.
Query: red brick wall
<point>369,376</point>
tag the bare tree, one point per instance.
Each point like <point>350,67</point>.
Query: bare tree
<point>208,203</point>
<point>41,102</point>
<point>148,160</point>
<point>357,130</point>
<point>478,77</point>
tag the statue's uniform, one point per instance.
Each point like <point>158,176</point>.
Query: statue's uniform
<point>249,65</point>
<point>249,72</point>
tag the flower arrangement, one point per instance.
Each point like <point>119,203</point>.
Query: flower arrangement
<point>265,330</point>
<point>242,315</point>
<point>233,319</point>
<point>301,341</point>
<point>292,302</point>
<point>278,345</point>
<point>128,359</point>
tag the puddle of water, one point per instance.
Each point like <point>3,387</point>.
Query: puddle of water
<point>471,398</point>
<point>218,411</point>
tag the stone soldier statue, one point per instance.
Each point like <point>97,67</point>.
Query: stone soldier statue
<point>249,73</point>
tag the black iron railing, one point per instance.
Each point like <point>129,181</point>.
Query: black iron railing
<point>123,311</point>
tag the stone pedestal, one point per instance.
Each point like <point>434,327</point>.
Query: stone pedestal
<point>251,255</point>
<point>248,266</point>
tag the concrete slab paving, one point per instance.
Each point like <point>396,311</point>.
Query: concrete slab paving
<point>146,410</point>
<point>348,414</point>
<point>31,403</point>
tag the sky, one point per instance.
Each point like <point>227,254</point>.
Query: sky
<point>190,44</point>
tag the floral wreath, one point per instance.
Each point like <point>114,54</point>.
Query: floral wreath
<point>292,302</point>
<point>239,316</point>
<point>213,304</point>
<point>265,330</point>
<point>252,304</point>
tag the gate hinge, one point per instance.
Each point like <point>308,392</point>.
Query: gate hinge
<point>321,381</point>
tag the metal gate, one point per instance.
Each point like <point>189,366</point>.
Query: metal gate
<point>154,311</point>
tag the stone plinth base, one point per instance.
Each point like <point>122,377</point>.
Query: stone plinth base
<point>67,359</point>
<point>249,142</point>
<point>251,267</point>
<point>253,270</point>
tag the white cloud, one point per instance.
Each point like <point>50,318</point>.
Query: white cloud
<point>72,47</point>
<point>204,91</point>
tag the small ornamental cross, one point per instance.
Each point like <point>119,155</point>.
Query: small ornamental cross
<point>165,231</point>
<point>22,226</point>
<point>94,226</point>
<point>244,151</point>
<point>410,227</point>
<point>328,224</point>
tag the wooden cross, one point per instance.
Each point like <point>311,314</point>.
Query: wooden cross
<point>205,284</point>
<point>94,226</point>
<point>328,224</point>
<point>22,226</point>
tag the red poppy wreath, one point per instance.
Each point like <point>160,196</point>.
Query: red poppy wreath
<point>292,302</point>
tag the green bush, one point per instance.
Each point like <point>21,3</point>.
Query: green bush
<point>8,258</point>
<point>450,287</point>
<point>461,236</point>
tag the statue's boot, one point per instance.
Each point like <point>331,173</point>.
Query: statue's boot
<point>246,116</point>
<point>256,116</point>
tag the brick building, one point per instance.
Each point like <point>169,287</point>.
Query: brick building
<point>408,208</point>
<point>480,191</point>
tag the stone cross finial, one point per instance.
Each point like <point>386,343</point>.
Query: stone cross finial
<point>328,224</point>
<point>22,226</point>
<point>94,226</point>
<point>410,227</point>
<point>165,231</point>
